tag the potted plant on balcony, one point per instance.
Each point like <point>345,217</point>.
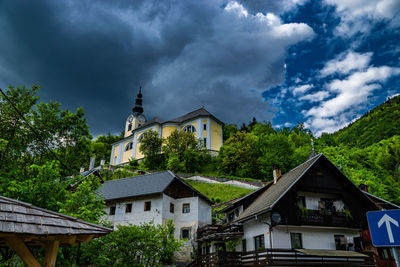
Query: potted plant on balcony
<point>303,212</point>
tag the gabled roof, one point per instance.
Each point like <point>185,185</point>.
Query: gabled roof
<point>196,113</point>
<point>271,196</point>
<point>380,202</point>
<point>239,201</point>
<point>142,185</point>
<point>19,217</point>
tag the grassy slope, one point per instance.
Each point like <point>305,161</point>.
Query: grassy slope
<point>222,192</point>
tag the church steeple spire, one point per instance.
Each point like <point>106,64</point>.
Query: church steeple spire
<point>138,109</point>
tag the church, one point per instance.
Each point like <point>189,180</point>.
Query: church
<point>200,122</point>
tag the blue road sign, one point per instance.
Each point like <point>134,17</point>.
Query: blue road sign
<point>384,227</point>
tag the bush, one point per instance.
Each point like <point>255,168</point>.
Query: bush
<point>133,245</point>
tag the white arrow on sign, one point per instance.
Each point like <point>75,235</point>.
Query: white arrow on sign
<point>386,219</point>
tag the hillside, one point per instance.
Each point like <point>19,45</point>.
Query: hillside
<point>379,123</point>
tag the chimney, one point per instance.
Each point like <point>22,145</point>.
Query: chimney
<point>91,164</point>
<point>363,187</point>
<point>277,174</point>
<point>82,169</point>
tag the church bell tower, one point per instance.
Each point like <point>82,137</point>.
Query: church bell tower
<point>136,119</point>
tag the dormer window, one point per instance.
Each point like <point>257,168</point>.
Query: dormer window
<point>189,128</point>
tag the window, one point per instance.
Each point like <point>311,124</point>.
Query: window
<point>128,208</point>
<point>301,201</point>
<point>259,242</point>
<point>171,207</point>
<point>205,127</point>
<point>340,242</point>
<point>112,210</point>
<point>128,146</point>
<point>231,216</point>
<point>186,208</point>
<point>205,142</point>
<point>147,205</point>
<point>115,160</point>
<point>185,233</point>
<point>130,126</point>
<point>142,136</point>
<point>189,128</point>
<point>244,245</point>
<point>295,240</point>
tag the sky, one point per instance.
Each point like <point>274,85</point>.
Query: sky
<point>322,63</point>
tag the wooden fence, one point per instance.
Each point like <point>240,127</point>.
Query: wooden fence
<point>278,257</point>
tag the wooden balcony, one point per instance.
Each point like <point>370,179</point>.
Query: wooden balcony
<point>279,257</point>
<point>325,218</point>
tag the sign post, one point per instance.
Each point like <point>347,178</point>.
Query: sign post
<point>384,227</point>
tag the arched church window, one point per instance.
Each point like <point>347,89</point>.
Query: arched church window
<point>128,146</point>
<point>130,126</point>
<point>189,128</point>
<point>142,136</point>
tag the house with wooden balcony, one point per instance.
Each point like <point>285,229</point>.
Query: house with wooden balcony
<point>312,212</point>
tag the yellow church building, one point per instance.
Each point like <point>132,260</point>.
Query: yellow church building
<point>200,122</point>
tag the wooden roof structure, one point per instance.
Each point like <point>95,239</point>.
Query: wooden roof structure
<point>23,225</point>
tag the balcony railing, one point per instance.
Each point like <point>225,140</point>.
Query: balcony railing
<point>278,257</point>
<point>324,217</point>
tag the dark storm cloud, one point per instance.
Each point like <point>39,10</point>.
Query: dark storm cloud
<point>188,54</point>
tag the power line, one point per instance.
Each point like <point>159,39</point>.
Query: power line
<point>33,130</point>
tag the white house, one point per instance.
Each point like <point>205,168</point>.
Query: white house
<point>312,208</point>
<point>157,197</point>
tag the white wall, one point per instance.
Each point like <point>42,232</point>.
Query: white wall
<point>312,237</point>
<point>252,228</point>
<point>138,215</point>
<point>166,214</point>
<point>317,238</point>
<point>186,219</point>
<point>204,212</point>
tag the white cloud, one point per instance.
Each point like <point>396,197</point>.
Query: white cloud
<point>360,15</point>
<point>301,89</point>
<point>316,97</point>
<point>345,63</point>
<point>350,93</point>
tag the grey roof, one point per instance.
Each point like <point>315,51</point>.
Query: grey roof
<point>271,196</point>
<point>196,113</point>
<point>19,217</point>
<point>140,185</point>
<point>381,201</point>
<point>150,122</point>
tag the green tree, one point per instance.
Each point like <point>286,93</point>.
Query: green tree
<point>37,133</point>
<point>277,151</point>
<point>239,156</point>
<point>101,147</point>
<point>184,152</point>
<point>229,130</point>
<point>150,146</point>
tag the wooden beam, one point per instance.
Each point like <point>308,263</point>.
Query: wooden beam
<point>23,252</point>
<point>51,250</point>
<point>85,238</point>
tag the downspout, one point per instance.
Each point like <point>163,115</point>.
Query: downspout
<point>269,228</point>
<point>270,233</point>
